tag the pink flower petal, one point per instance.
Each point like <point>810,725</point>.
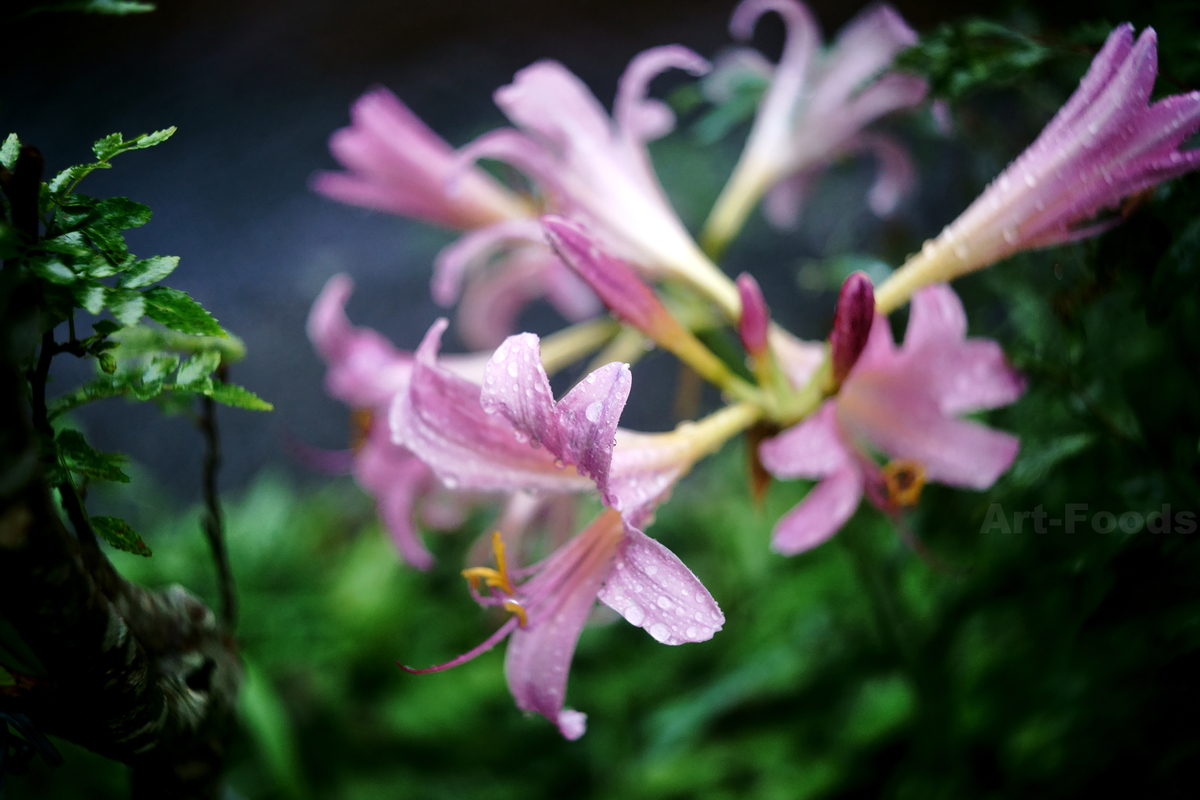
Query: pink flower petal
<point>365,371</point>
<point>637,117</point>
<point>579,429</point>
<point>395,478</point>
<point>471,251</point>
<point>651,588</point>
<point>898,414</point>
<point>812,448</point>
<point>558,601</point>
<point>820,515</point>
<point>441,421</point>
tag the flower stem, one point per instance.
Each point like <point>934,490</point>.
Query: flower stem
<point>571,344</point>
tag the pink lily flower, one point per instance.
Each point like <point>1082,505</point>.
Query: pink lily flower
<point>814,112</point>
<point>1106,143</point>
<point>905,403</point>
<point>596,169</point>
<point>608,561</point>
<point>396,164</point>
<point>366,372</point>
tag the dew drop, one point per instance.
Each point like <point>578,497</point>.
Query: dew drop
<point>700,598</point>
<point>660,632</point>
<point>1010,235</point>
<point>450,482</point>
<point>663,602</point>
<point>520,437</point>
<point>699,616</point>
<point>560,464</point>
<point>652,570</point>
<point>592,412</point>
<point>1030,181</point>
<point>512,369</point>
<point>634,615</point>
<point>691,633</point>
<point>591,378</point>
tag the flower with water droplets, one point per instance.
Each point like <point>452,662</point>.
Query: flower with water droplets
<point>814,111</point>
<point>1106,143</point>
<point>609,561</point>
<point>904,403</point>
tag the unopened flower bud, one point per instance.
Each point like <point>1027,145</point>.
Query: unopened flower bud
<point>613,281</point>
<point>851,323</point>
<point>755,315</point>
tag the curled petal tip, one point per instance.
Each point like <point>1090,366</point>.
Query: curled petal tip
<point>851,323</point>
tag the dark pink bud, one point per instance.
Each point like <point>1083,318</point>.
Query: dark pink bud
<point>613,281</point>
<point>755,315</point>
<point>851,323</point>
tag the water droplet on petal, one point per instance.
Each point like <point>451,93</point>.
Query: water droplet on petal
<point>663,602</point>
<point>512,369</point>
<point>634,615</point>
<point>591,378</point>
<point>691,633</point>
<point>652,570</point>
<point>592,412</point>
<point>660,632</point>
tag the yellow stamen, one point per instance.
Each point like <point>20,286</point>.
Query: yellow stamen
<point>904,479</point>
<point>496,578</point>
<point>514,607</point>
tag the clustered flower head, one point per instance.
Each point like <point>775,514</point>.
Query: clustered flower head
<point>858,414</point>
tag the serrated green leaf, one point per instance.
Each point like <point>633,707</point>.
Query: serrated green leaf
<point>107,362</point>
<point>90,296</point>
<point>9,151</point>
<point>143,339</point>
<point>127,306</point>
<point>74,174</point>
<point>179,312</point>
<point>123,213</point>
<point>195,369</point>
<point>148,271</point>
<point>52,268</point>
<point>151,139</point>
<point>120,535</point>
<point>105,327</point>
<point>231,394</point>
<point>108,147</point>
<point>160,367</point>
<point>98,266</point>
<point>106,237</point>
<point>98,389</point>
<point>71,244</point>
<point>78,456</point>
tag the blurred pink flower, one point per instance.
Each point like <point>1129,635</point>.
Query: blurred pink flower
<point>1106,143</point>
<point>903,402</point>
<point>395,163</point>
<point>366,372</point>
<point>814,111</point>
<point>608,561</point>
<point>595,168</point>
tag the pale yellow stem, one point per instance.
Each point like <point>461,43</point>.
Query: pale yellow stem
<point>936,262</point>
<point>567,346</point>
